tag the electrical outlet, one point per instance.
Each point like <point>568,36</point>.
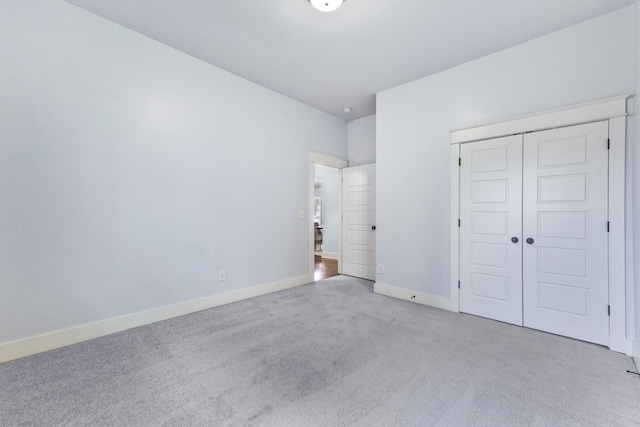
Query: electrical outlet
<point>300,214</point>
<point>380,268</point>
<point>222,276</point>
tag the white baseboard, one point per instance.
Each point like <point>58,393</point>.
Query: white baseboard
<point>329,255</point>
<point>52,340</point>
<point>409,295</point>
<point>635,345</point>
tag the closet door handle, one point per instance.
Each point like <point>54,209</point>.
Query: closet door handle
<point>514,239</point>
<point>373,227</point>
<point>530,240</point>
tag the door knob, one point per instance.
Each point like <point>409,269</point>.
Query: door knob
<point>373,227</point>
<point>514,239</point>
<point>530,240</point>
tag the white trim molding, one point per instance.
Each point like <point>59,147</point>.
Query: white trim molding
<point>613,110</point>
<point>636,353</point>
<point>413,296</point>
<point>454,272</point>
<point>327,160</point>
<point>52,340</point>
<point>567,116</point>
<point>330,255</point>
<point>617,248</point>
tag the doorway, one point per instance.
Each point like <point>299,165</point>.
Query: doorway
<point>325,209</point>
<point>326,221</point>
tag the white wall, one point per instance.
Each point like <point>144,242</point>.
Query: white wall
<point>330,179</point>
<point>635,152</point>
<point>361,145</point>
<point>130,173</point>
<point>587,62</point>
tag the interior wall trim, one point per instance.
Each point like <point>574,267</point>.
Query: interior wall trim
<point>327,160</point>
<point>567,116</point>
<point>40,343</point>
<point>413,296</point>
<point>330,255</point>
<point>454,237</point>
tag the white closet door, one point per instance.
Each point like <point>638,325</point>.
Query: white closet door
<point>565,282</point>
<point>358,222</point>
<point>491,215</point>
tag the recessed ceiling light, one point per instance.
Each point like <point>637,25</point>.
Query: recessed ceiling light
<point>347,110</point>
<point>326,5</point>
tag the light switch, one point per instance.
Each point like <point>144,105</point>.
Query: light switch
<point>300,214</point>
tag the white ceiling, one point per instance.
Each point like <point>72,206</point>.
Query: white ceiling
<point>343,58</point>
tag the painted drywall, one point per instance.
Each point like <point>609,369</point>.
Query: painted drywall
<point>131,173</point>
<point>361,141</point>
<point>586,62</point>
<point>635,152</point>
<point>330,179</point>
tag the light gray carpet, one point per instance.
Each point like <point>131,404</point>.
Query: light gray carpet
<point>330,353</point>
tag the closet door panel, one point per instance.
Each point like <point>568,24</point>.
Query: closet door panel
<point>565,277</point>
<point>491,215</point>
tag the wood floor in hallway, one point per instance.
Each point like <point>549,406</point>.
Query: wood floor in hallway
<point>325,268</point>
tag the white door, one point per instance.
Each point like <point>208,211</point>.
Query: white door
<point>565,262</point>
<point>358,221</point>
<point>491,216</point>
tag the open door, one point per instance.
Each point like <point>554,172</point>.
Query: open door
<point>359,221</point>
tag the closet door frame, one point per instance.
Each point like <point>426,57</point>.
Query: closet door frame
<point>613,110</point>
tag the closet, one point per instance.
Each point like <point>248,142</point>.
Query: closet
<point>533,230</point>
<point>538,222</point>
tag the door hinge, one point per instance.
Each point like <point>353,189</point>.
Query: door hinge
<point>458,284</point>
<point>608,310</point>
<point>459,161</point>
<point>608,143</point>
<point>458,222</point>
<point>608,227</point>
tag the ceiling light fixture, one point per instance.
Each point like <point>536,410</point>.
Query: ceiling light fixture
<point>326,5</point>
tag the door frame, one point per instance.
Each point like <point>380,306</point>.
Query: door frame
<point>614,110</point>
<point>339,163</point>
